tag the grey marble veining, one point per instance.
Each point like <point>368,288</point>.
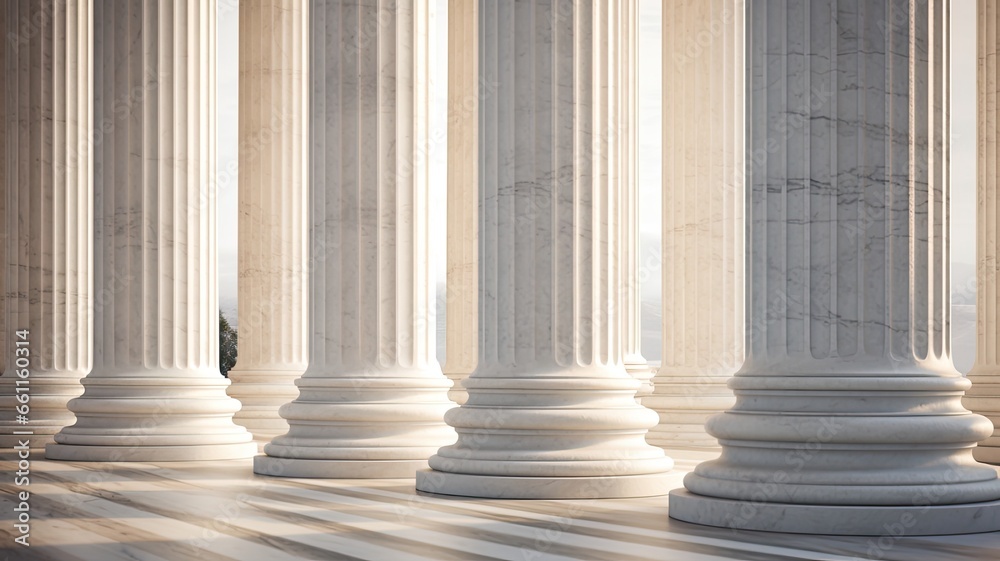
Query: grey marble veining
<point>46,215</point>
<point>155,392</point>
<point>372,400</point>
<point>550,410</point>
<point>703,199</point>
<point>848,397</point>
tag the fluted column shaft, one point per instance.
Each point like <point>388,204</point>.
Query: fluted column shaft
<point>463,170</point>
<point>702,218</point>
<point>551,409</point>
<point>372,400</point>
<point>984,396</point>
<point>45,178</point>
<point>273,219</point>
<point>627,140</point>
<point>848,416</point>
<point>155,392</point>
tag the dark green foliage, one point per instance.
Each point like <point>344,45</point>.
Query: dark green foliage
<point>227,345</point>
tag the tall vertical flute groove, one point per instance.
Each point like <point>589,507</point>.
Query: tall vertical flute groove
<point>45,178</point>
<point>463,173</point>
<point>984,396</point>
<point>627,140</point>
<point>848,414</point>
<point>551,410</point>
<point>703,199</point>
<point>273,218</point>
<point>155,392</point>
<point>372,400</point>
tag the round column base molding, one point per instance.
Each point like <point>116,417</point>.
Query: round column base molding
<point>671,437</point>
<point>888,522</point>
<point>457,393</point>
<point>99,453</point>
<point>262,429</point>
<point>639,369</point>
<point>987,454</point>
<point>275,466</point>
<point>515,487</point>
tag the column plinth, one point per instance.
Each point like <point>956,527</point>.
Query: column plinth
<point>273,217</point>
<point>46,188</point>
<point>984,396</point>
<point>372,400</point>
<point>551,410</point>
<point>848,415</point>
<point>155,392</point>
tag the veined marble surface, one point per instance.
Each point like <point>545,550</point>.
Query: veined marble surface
<point>220,511</point>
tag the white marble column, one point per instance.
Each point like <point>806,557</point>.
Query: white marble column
<point>273,216</point>
<point>45,180</point>
<point>984,396</point>
<point>703,308</point>
<point>551,411</point>
<point>155,392</point>
<point>849,416</point>
<point>627,140</point>
<point>463,171</point>
<point>372,400</point>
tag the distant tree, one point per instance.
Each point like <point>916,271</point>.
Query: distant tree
<point>227,345</point>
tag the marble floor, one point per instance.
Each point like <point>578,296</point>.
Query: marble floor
<point>221,511</point>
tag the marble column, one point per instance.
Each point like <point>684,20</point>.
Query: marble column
<point>155,392</point>
<point>463,170</point>
<point>551,411</point>
<point>372,400</point>
<point>45,179</point>
<point>627,140</point>
<point>984,396</point>
<point>273,241</point>
<point>849,416</point>
<point>702,218</point>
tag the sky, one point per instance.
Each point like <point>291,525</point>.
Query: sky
<point>963,166</point>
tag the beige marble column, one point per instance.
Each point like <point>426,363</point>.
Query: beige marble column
<point>372,400</point>
<point>155,392</point>
<point>273,217</point>
<point>46,192</point>
<point>702,218</point>
<point>984,396</point>
<point>848,415</point>
<point>551,411</point>
<point>627,140</point>
<point>463,170</point>
<point>6,124</point>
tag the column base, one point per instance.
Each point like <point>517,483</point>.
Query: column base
<point>83,453</point>
<point>692,437</point>
<point>263,430</point>
<point>457,393</point>
<point>987,454</point>
<point>261,393</point>
<point>867,520</point>
<point>337,469</point>
<point>639,369</point>
<point>512,487</point>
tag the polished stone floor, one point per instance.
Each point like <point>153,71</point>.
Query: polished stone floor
<point>221,511</point>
